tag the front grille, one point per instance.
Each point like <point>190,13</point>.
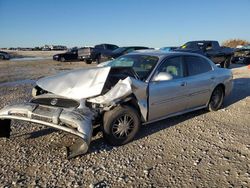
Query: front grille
<point>57,102</point>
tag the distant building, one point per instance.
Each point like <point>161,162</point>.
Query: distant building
<point>54,47</point>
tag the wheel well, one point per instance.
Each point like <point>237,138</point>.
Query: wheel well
<point>223,87</point>
<point>219,85</point>
<point>133,103</point>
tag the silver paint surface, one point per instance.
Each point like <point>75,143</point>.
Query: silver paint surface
<point>78,84</point>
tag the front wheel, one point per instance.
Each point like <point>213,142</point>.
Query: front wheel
<point>216,99</point>
<point>120,125</point>
<point>1,57</point>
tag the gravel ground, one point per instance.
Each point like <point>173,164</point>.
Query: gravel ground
<point>198,149</point>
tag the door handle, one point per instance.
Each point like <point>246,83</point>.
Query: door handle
<point>212,78</point>
<point>183,83</point>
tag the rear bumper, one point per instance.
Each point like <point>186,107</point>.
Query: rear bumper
<point>70,121</point>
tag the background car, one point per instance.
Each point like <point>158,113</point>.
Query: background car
<point>242,55</point>
<point>211,49</point>
<point>70,55</point>
<point>90,54</point>
<point>121,51</point>
<point>4,55</point>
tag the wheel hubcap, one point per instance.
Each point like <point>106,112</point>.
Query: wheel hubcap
<point>123,126</point>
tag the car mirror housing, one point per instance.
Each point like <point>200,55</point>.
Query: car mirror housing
<point>163,76</point>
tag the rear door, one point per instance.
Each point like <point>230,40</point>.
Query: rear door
<point>168,97</point>
<point>200,80</point>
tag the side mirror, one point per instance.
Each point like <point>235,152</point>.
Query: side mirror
<point>163,76</point>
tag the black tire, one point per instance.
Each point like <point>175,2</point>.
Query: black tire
<point>120,125</point>
<point>216,99</point>
<point>98,59</point>
<point>234,60</point>
<point>2,57</point>
<point>226,63</point>
<point>246,61</point>
<point>88,61</point>
<point>62,59</point>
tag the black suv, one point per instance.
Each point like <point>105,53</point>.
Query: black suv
<point>67,56</point>
<point>121,51</point>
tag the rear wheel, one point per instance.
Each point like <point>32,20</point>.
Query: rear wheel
<point>88,61</point>
<point>246,60</point>
<point>1,57</point>
<point>216,99</point>
<point>98,59</point>
<point>226,63</point>
<point>120,125</point>
<point>62,59</point>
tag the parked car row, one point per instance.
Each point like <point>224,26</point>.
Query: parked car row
<point>223,56</point>
<point>105,52</point>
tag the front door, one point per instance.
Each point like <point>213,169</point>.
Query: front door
<point>168,97</point>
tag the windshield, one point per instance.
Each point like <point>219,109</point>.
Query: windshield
<point>141,64</point>
<point>119,50</point>
<point>193,45</point>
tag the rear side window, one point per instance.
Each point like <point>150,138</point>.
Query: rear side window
<point>99,46</point>
<point>197,65</point>
<point>111,47</point>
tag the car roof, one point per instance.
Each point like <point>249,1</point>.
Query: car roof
<point>160,53</point>
<point>133,47</point>
<point>105,44</point>
<point>202,41</point>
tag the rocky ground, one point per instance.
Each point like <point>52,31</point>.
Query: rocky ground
<point>198,149</point>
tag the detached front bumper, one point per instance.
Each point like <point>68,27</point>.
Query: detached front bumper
<point>78,123</point>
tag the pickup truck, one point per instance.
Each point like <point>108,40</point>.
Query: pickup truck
<point>89,54</point>
<point>211,49</point>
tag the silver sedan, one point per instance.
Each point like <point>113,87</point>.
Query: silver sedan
<point>120,95</point>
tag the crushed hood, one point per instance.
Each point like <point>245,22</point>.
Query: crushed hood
<point>78,84</point>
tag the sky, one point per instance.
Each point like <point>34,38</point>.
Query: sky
<point>152,23</point>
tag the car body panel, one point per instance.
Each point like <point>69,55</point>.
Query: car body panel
<point>155,100</point>
<point>72,84</point>
<point>160,104</point>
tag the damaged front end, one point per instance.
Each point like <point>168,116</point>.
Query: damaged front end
<point>72,102</point>
<point>76,122</point>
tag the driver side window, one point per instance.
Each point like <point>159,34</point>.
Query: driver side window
<point>173,66</point>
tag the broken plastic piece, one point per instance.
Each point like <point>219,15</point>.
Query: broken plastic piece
<point>79,148</point>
